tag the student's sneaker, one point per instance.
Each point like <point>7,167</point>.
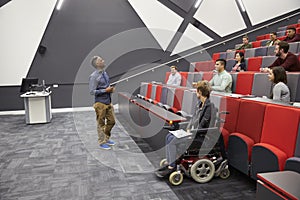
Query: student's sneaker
<point>110,143</point>
<point>105,146</point>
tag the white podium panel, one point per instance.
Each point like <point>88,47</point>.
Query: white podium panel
<point>37,107</point>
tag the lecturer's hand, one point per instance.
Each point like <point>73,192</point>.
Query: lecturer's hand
<point>110,89</point>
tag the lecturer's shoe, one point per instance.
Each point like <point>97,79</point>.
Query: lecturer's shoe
<point>110,143</point>
<point>104,146</point>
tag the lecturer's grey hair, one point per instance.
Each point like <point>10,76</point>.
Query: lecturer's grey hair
<point>94,59</point>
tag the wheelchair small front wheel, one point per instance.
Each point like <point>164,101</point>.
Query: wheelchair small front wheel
<point>225,173</point>
<point>176,178</point>
<point>203,170</point>
<point>163,162</point>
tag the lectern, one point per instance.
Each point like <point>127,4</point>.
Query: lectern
<point>37,107</point>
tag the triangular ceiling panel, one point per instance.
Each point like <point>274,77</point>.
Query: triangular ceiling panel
<point>265,10</point>
<point>224,18</point>
<point>162,22</point>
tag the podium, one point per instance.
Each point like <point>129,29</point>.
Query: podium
<point>37,107</point>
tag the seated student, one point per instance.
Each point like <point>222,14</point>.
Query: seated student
<point>201,119</point>
<point>291,35</point>
<point>246,44</point>
<point>222,81</point>
<point>273,39</point>
<point>175,77</point>
<point>285,59</point>
<point>240,64</point>
<point>280,91</point>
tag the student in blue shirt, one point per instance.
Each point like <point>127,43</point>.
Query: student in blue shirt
<point>99,86</point>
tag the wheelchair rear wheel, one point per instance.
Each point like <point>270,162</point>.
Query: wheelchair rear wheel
<point>176,178</point>
<point>203,170</point>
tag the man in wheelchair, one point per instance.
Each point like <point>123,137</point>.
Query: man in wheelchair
<point>201,143</point>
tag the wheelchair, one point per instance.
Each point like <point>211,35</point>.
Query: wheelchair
<point>201,164</point>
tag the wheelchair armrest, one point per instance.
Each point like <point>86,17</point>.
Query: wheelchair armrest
<point>172,127</point>
<point>204,130</point>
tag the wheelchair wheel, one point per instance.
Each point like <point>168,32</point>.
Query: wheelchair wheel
<point>176,178</point>
<point>225,173</point>
<point>162,162</point>
<point>203,170</point>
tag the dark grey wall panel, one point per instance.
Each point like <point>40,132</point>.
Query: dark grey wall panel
<point>184,4</point>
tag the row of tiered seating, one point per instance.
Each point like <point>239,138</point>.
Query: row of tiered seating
<point>255,133</point>
<point>255,58</point>
<point>246,83</point>
<point>261,137</point>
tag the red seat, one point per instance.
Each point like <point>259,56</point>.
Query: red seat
<point>178,99</point>
<point>263,37</point>
<point>244,83</point>
<point>256,44</point>
<point>207,76</point>
<point>184,76</point>
<point>232,106</point>
<point>149,91</point>
<point>158,94</point>
<point>216,56</point>
<point>204,66</point>
<point>278,139</point>
<point>248,132</point>
<point>254,64</point>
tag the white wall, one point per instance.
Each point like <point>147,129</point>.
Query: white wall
<point>22,25</point>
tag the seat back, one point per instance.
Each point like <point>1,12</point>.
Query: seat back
<point>249,53</point>
<point>184,76</point>
<point>255,44</point>
<point>261,51</point>
<point>153,91</point>
<point>280,127</point>
<point>223,55</point>
<point>189,101</point>
<point>293,82</point>
<point>158,93</point>
<point>204,66</point>
<point>230,64</point>
<point>178,98</point>
<point>262,86</point>
<point>294,47</point>
<point>170,96</point>
<point>230,54</point>
<point>268,60</point>
<point>216,56</point>
<point>149,90</point>
<point>244,83</point>
<point>270,51</point>
<point>198,76</point>
<point>234,77</point>
<point>254,63</point>
<point>164,95</point>
<point>250,119</point>
<point>143,88</point>
<point>207,76</point>
<point>231,105</point>
<point>190,79</point>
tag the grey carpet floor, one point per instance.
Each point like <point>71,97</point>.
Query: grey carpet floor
<point>61,160</point>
